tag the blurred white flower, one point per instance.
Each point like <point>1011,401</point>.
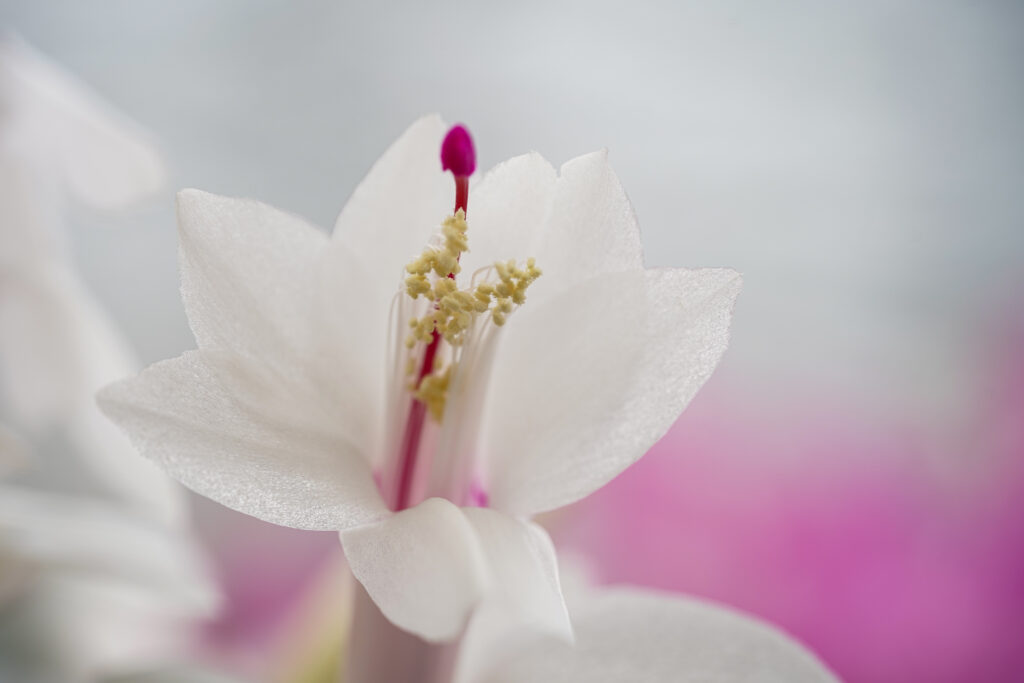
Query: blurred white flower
<point>97,571</point>
<point>57,346</point>
<point>297,398</point>
<point>85,586</point>
<point>636,635</point>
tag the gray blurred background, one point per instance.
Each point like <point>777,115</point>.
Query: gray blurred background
<point>861,163</point>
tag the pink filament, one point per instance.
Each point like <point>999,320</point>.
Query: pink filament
<point>457,155</point>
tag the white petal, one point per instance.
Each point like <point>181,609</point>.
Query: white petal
<point>423,567</point>
<point>591,228</point>
<point>13,452</point>
<point>657,638</point>
<point>96,625</point>
<point>107,160</point>
<point>57,347</point>
<point>347,353</point>
<point>263,283</point>
<point>507,211</point>
<point>525,596</point>
<point>587,382</point>
<point>30,217</point>
<point>399,205</point>
<point>248,273</point>
<point>524,571</point>
<point>248,437</point>
<point>62,532</point>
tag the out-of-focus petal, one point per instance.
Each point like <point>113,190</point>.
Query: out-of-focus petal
<point>423,567</point>
<point>12,452</point>
<point>66,533</point>
<point>244,435</point>
<point>107,160</point>
<point>594,377</point>
<point>628,635</point>
<point>57,347</point>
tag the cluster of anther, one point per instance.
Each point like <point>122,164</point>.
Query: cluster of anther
<point>454,310</point>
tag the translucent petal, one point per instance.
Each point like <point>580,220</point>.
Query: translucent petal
<point>248,273</point>
<point>525,598</point>
<point>507,211</point>
<point>398,206</point>
<point>265,284</point>
<point>630,635</point>
<point>592,378</point>
<point>249,437</point>
<point>524,570</point>
<point>423,567</point>
<point>590,229</point>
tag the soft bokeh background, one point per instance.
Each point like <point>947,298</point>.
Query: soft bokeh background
<point>861,163</point>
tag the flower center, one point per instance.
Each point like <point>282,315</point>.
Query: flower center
<point>446,328</point>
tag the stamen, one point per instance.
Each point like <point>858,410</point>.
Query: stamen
<point>458,156</point>
<point>452,315</point>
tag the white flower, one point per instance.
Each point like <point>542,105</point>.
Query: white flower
<point>85,586</point>
<point>57,345</point>
<point>298,395</point>
<point>97,571</point>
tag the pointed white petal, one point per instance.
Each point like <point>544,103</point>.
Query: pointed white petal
<point>423,567</point>
<point>626,635</point>
<point>265,284</point>
<point>507,211</point>
<point>591,228</point>
<point>399,205</point>
<point>248,273</point>
<point>248,437</point>
<point>525,598</point>
<point>63,532</point>
<point>591,379</point>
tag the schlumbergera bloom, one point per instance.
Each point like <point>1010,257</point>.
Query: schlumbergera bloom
<point>422,388</point>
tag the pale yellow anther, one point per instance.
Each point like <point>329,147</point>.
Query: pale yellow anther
<point>433,391</point>
<point>416,285</point>
<point>455,310</point>
<point>443,287</point>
